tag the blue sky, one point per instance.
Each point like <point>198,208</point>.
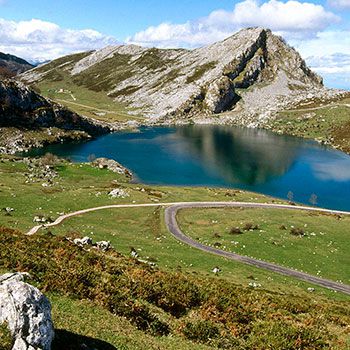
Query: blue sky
<point>40,30</point>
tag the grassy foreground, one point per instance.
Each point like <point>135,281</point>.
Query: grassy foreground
<point>172,309</point>
<point>108,301</point>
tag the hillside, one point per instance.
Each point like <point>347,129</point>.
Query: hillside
<point>28,119</point>
<point>166,297</point>
<point>12,65</point>
<point>98,296</point>
<point>253,73</point>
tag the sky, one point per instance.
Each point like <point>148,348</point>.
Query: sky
<point>40,30</point>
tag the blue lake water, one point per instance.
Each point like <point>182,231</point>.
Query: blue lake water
<point>222,156</point>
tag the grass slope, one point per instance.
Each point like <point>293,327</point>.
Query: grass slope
<point>322,248</point>
<point>59,86</point>
<point>97,290</point>
<point>326,122</point>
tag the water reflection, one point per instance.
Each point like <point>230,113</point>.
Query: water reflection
<point>241,155</point>
<point>334,170</point>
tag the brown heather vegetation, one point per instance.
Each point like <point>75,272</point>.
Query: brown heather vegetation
<point>206,310</point>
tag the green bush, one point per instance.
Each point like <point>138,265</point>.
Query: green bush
<point>202,331</point>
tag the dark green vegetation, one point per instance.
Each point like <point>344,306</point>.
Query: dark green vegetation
<point>200,71</point>
<point>5,338</point>
<point>161,303</point>
<point>316,243</point>
<point>326,122</point>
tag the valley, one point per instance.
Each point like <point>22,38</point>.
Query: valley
<point>159,263</point>
<point>77,186</point>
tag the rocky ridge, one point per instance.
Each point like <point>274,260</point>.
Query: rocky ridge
<point>23,112</point>
<point>11,65</point>
<point>251,75</point>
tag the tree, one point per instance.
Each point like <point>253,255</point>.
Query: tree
<point>91,158</point>
<point>313,199</point>
<point>290,196</point>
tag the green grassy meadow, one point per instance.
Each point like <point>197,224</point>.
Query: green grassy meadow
<point>321,251</point>
<point>87,102</point>
<point>328,123</point>
<point>229,313</point>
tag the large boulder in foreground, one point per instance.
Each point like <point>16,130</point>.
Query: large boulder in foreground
<point>27,313</point>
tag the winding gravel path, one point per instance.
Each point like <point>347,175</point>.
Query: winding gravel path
<point>173,227</point>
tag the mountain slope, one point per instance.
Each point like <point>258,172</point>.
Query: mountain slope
<point>11,65</point>
<point>253,72</point>
<point>23,111</point>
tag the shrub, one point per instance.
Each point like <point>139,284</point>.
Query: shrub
<point>235,231</point>
<point>6,340</point>
<point>49,159</point>
<point>202,331</point>
<point>250,226</point>
<point>296,231</point>
<point>217,312</point>
<point>283,335</point>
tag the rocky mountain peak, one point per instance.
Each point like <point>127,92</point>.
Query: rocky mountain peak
<point>244,72</point>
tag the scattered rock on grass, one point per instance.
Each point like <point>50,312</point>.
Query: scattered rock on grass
<point>118,193</point>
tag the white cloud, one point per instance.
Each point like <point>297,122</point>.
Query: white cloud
<point>328,53</point>
<point>339,3</point>
<point>336,170</point>
<point>293,19</point>
<point>37,40</point>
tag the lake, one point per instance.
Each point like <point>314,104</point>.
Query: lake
<point>223,156</point>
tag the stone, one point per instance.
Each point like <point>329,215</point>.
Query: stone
<point>112,165</point>
<point>83,241</point>
<point>27,312</point>
<point>103,245</point>
<point>118,193</point>
<point>216,270</point>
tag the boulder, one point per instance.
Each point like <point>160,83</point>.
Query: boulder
<point>103,245</point>
<point>83,241</point>
<point>118,193</point>
<point>27,312</point>
<point>112,165</point>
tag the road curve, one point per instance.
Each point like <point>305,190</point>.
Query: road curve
<point>173,227</point>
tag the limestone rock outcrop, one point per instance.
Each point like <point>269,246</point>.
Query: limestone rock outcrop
<point>27,312</point>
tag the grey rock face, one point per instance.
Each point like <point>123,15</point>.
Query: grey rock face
<point>104,245</point>
<point>220,95</point>
<point>83,241</point>
<point>21,106</point>
<point>27,312</point>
